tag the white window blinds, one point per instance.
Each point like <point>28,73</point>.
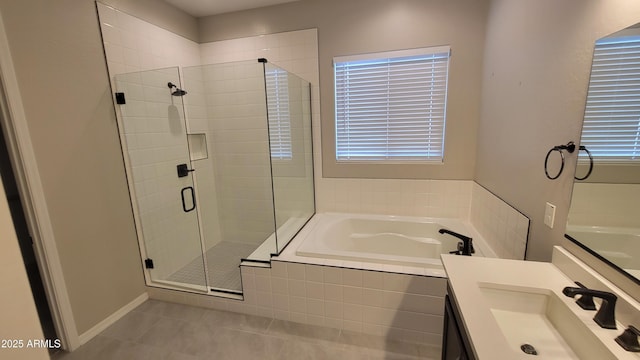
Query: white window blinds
<point>277,86</point>
<point>611,129</point>
<point>391,106</point>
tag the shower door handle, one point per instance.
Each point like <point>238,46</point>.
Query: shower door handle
<point>193,199</point>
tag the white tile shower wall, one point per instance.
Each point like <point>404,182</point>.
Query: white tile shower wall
<point>398,306</point>
<point>610,205</point>
<point>155,144</point>
<point>503,227</point>
<point>296,52</point>
<point>133,45</point>
<point>204,183</point>
<point>237,115</point>
<point>204,175</point>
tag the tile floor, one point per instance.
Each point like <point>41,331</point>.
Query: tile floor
<point>165,331</point>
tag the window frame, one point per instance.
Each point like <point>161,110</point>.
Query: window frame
<point>605,91</point>
<point>438,58</point>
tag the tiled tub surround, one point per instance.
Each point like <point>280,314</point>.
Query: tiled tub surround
<point>398,306</point>
<point>386,299</point>
<point>503,227</point>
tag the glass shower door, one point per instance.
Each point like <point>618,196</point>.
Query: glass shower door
<point>160,176</point>
<point>290,144</point>
<point>226,102</point>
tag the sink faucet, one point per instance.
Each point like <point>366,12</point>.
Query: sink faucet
<point>465,247</point>
<point>605,317</point>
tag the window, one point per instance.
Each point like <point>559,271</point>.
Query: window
<point>277,85</point>
<point>391,107</point>
<point>611,129</point>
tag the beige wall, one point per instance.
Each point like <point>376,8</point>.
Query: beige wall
<point>536,71</point>
<point>61,71</point>
<point>364,26</point>
<point>18,314</point>
<point>610,173</point>
<point>609,205</point>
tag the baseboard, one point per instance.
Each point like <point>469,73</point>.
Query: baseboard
<point>102,325</point>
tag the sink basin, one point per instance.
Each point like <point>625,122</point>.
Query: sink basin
<point>537,320</point>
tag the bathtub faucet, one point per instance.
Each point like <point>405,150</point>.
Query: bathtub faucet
<point>465,247</point>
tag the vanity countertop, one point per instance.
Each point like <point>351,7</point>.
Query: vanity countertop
<point>469,275</point>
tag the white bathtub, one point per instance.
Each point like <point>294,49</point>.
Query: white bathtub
<point>405,241</point>
<point>619,245</point>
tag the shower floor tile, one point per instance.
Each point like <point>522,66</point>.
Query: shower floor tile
<point>223,265</point>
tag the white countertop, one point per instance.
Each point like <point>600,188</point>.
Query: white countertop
<point>467,273</point>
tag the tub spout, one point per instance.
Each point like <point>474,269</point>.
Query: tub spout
<point>465,247</point>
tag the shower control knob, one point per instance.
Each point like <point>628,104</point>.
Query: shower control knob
<point>183,170</point>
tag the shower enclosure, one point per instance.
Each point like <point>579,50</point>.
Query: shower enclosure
<point>220,168</point>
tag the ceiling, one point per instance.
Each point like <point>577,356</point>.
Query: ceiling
<point>200,8</point>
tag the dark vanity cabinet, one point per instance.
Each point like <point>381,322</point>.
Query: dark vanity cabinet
<point>455,341</point>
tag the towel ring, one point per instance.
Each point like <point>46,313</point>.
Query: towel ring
<point>570,147</point>
<point>546,160</point>
<point>582,147</point>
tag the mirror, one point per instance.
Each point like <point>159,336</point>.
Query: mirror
<point>604,218</point>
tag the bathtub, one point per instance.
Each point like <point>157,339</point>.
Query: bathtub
<point>404,241</point>
<point>618,245</point>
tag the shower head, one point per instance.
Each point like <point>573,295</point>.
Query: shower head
<point>177,91</point>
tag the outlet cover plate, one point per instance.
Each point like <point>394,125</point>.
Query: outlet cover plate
<point>549,214</point>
